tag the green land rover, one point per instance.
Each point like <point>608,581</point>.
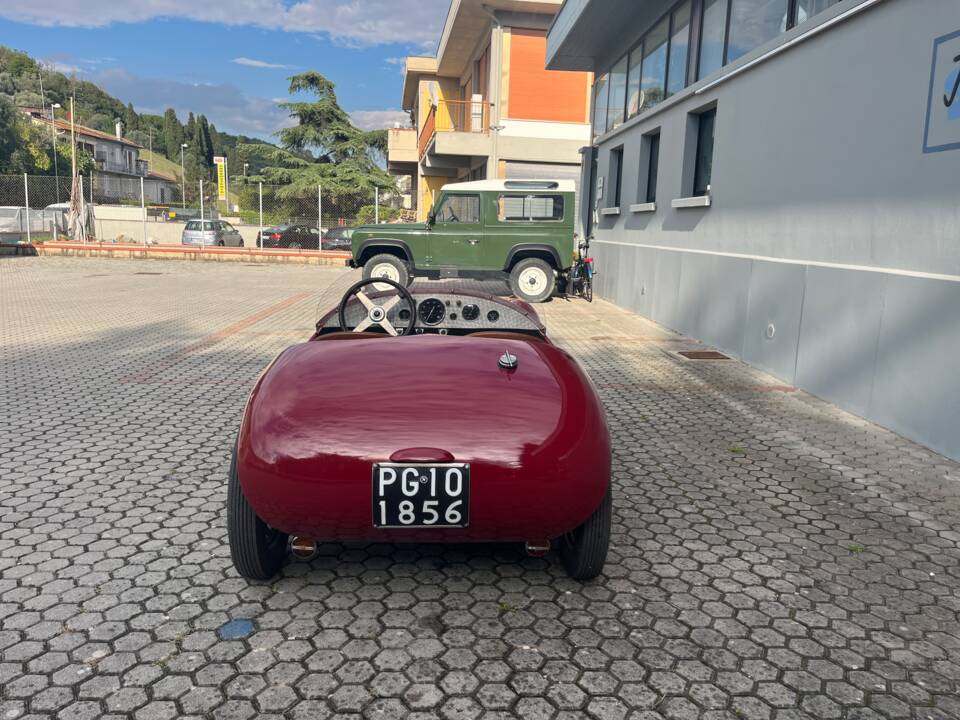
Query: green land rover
<point>521,229</point>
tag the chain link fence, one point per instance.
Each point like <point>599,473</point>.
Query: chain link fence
<point>131,209</point>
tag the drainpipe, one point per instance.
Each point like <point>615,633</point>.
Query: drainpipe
<point>496,56</point>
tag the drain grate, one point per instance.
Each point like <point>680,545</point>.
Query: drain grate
<point>703,355</point>
<point>148,273</point>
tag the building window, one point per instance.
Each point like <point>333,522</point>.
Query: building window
<point>600,106</point>
<point>806,9</point>
<point>616,177</point>
<point>617,94</point>
<point>650,156</point>
<point>633,80</point>
<point>703,169</point>
<point>654,76</point>
<point>679,49</point>
<point>754,22</point>
<point>459,209</point>
<point>713,33</point>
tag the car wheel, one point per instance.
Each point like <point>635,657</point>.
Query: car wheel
<point>257,550</point>
<point>241,243</point>
<point>584,550</point>
<point>220,243</point>
<point>387,266</point>
<point>295,245</point>
<point>532,280</point>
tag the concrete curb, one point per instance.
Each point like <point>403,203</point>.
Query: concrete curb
<point>216,254</point>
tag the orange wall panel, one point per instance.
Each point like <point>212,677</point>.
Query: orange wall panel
<point>536,93</point>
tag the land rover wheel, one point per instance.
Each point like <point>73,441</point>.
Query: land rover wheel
<point>389,267</point>
<point>532,280</point>
<point>584,550</point>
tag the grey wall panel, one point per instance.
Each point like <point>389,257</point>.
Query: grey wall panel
<point>838,335</point>
<point>776,298</point>
<point>713,299</point>
<point>916,390</point>
<point>666,289</point>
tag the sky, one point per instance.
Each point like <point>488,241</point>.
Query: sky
<point>231,59</point>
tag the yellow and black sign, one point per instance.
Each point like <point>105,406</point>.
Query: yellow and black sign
<point>221,163</point>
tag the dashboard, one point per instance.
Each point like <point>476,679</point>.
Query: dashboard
<point>445,312</point>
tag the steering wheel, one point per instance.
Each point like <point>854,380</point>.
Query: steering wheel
<point>377,314</point>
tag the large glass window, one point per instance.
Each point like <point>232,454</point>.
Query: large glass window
<point>654,74</point>
<point>618,94</point>
<point>703,172</point>
<point>712,36</point>
<point>754,22</point>
<point>806,9</point>
<point>633,80</point>
<point>600,105</point>
<point>679,48</point>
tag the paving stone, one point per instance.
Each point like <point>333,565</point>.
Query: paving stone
<point>771,555</point>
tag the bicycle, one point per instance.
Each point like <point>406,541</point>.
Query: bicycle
<point>581,274</point>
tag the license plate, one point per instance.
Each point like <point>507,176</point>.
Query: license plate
<point>425,495</point>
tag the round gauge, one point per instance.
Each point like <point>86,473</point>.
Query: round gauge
<point>431,311</point>
<point>493,316</point>
<point>404,314</point>
<point>470,312</point>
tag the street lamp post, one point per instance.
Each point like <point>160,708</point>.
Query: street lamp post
<point>53,132</point>
<point>245,166</point>
<point>183,177</point>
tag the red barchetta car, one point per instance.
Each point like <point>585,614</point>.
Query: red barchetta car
<point>424,416</point>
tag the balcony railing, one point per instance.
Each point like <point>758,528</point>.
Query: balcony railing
<point>455,116</point>
<point>104,165</point>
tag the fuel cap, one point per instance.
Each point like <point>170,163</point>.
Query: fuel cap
<point>508,361</point>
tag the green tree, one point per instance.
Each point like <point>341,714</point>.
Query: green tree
<point>323,148</point>
<point>9,136</point>
<point>172,134</point>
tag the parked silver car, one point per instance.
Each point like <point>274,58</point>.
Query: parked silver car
<point>210,233</point>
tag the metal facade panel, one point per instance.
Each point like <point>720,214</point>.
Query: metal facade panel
<point>776,298</point>
<point>713,299</point>
<point>916,389</point>
<point>838,335</point>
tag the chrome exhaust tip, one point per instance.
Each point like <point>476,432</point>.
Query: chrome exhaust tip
<point>303,548</point>
<point>538,548</point>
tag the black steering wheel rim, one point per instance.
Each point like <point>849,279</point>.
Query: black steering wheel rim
<point>355,290</point>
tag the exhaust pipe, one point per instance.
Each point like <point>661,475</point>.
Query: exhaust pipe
<point>303,548</point>
<point>538,548</point>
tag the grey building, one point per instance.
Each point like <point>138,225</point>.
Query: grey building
<point>781,179</point>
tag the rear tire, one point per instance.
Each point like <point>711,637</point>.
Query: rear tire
<point>532,280</point>
<point>588,289</point>
<point>257,550</point>
<point>387,266</point>
<point>584,550</point>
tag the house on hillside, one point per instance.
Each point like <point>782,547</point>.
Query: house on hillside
<point>486,107</point>
<point>118,164</point>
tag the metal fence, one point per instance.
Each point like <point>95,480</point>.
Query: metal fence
<point>121,208</point>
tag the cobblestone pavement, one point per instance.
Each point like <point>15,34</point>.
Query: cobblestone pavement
<point>772,556</point>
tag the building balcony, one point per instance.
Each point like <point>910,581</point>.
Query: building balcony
<point>456,127</point>
<point>139,168</point>
<point>402,152</point>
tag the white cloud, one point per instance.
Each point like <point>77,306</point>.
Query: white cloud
<point>250,62</point>
<point>379,119</point>
<point>359,22</point>
<point>395,60</point>
<point>225,105</point>
<point>61,67</point>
